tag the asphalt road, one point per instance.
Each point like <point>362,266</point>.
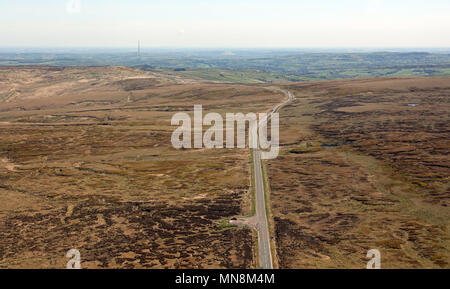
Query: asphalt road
<point>262,226</point>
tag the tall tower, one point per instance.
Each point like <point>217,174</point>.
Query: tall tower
<point>139,49</point>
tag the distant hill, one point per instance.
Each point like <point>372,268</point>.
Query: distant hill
<point>254,66</point>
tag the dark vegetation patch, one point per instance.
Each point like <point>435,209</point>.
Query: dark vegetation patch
<point>156,234</point>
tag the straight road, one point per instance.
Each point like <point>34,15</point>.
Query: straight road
<point>262,225</point>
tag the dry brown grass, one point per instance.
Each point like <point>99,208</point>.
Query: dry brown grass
<point>87,163</point>
<point>382,182</point>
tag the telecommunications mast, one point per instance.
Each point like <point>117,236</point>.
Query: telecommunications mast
<point>139,49</point>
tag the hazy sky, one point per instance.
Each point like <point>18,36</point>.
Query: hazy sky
<point>226,23</point>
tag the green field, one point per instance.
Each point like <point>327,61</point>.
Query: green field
<point>254,66</point>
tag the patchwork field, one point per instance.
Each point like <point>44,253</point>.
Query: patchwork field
<point>364,165</point>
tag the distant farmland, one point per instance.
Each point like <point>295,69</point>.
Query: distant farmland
<point>254,66</point>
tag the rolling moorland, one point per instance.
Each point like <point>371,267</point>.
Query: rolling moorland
<point>364,164</point>
<point>86,162</point>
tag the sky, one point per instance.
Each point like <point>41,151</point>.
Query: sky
<point>225,23</point>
